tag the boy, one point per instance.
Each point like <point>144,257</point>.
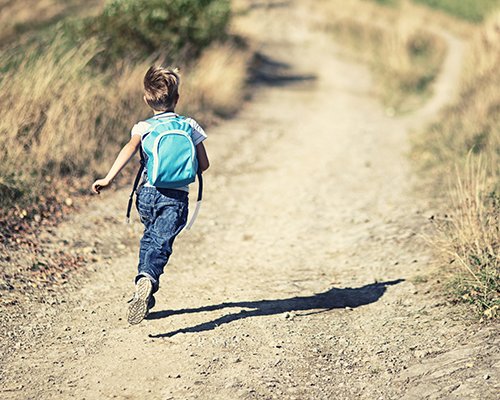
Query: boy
<point>162,211</point>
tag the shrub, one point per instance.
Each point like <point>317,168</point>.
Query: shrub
<point>137,28</point>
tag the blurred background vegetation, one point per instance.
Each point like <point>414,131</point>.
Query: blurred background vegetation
<point>70,87</point>
<point>457,156</point>
<point>471,10</point>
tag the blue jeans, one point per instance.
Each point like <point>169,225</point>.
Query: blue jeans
<point>164,213</point>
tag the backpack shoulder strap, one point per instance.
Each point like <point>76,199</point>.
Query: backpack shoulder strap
<point>141,168</point>
<point>152,125</point>
<point>136,183</point>
<point>198,202</point>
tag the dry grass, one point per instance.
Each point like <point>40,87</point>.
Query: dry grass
<point>469,242</point>
<point>472,123</point>
<point>58,114</point>
<point>62,124</point>
<point>30,15</point>
<point>404,55</point>
<point>216,82</point>
<point>467,139</point>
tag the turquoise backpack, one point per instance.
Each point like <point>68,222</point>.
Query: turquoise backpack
<point>169,155</point>
<point>170,151</point>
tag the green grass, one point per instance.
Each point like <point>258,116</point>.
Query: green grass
<point>460,157</point>
<point>387,2</point>
<point>469,10</point>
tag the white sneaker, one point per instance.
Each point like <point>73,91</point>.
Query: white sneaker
<point>139,305</point>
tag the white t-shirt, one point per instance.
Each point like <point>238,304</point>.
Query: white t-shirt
<point>142,127</point>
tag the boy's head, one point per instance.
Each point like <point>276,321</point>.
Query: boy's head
<point>161,88</point>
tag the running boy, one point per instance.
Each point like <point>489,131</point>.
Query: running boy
<point>162,211</point>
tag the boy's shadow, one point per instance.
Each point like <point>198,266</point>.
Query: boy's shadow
<point>333,298</point>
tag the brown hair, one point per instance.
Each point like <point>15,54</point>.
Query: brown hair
<point>161,86</point>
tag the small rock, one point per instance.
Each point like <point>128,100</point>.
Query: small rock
<point>486,377</point>
<point>421,353</point>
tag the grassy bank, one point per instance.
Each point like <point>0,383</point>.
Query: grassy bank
<point>461,155</point>
<point>71,93</point>
<point>404,55</point>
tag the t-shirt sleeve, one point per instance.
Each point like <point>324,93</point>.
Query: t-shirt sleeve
<point>199,134</point>
<point>140,128</point>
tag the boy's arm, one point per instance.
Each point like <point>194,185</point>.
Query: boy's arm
<point>126,153</point>
<point>202,156</point>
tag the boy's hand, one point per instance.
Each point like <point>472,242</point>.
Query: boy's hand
<point>126,153</point>
<point>99,184</point>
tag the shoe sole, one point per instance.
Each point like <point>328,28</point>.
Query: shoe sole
<point>138,308</point>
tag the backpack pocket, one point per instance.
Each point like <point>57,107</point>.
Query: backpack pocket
<point>172,162</point>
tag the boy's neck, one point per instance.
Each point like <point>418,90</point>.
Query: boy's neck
<point>163,112</point>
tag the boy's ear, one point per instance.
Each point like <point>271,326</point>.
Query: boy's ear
<point>145,100</point>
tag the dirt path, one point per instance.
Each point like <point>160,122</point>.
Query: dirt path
<point>296,281</point>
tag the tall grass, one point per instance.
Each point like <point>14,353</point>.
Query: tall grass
<point>60,119</point>
<point>63,120</point>
<point>467,139</point>
<point>29,17</point>
<point>469,241</point>
<point>472,123</point>
<point>404,55</point>
<point>216,84</point>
